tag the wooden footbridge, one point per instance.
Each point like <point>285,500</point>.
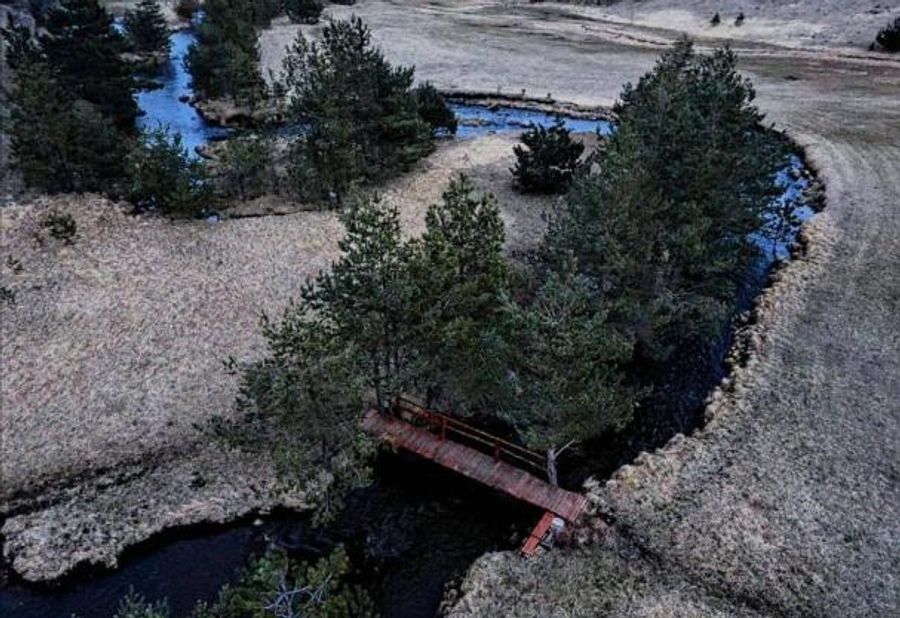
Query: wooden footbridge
<point>480,456</point>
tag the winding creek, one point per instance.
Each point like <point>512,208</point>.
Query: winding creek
<point>415,530</point>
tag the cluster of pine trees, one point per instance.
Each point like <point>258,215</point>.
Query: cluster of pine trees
<point>640,268</point>
<point>72,106</point>
<point>363,121</point>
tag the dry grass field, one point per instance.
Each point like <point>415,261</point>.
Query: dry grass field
<point>786,503</point>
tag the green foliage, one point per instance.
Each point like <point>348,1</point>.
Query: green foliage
<point>185,9</point>
<point>224,62</point>
<point>459,308</point>
<point>663,228</point>
<point>273,586</point>
<point>365,294</point>
<point>889,36</point>
<point>360,113</point>
<point>60,144</point>
<point>83,50</point>
<point>548,159</point>
<point>434,110</point>
<point>570,366</point>
<point>135,606</point>
<point>19,45</point>
<point>303,11</point>
<point>7,295</point>
<point>60,226</point>
<point>146,28</point>
<point>245,167</point>
<point>164,177</point>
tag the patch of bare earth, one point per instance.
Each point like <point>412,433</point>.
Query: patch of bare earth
<point>113,350</point>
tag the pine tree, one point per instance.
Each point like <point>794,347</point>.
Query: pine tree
<point>664,226</point>
<point>460,305</point>
<point>569,368</point>
<point>147,29</point>
<point>84,50</point>
<point>366,295</point>
<point>60,143</point>
<point>889,36</point>
<point>303,11</point>
<point>224,62</point>
<point>360,112</point>
<point>434,110</point>
<point>547,159</point>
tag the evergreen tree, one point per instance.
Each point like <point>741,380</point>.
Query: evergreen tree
<point>245,167</point>
<point>569,368</point>
<point>224,62</point>
<point>59,143</point>
<point>434,110</point>
<point>367,293</point>
<point>303,11</point>
<point>84,50</point>
<point>165,177</point>
<point>360,112</point>
<point>146,28</point>
<point>547,159</point>
<point>889,36</point>
<point>664,227</point>
<point>458,316</point>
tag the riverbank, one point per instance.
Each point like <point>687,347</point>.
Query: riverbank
<point>139,315</point>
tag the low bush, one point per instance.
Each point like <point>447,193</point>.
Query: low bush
<point>165,178</point>
<point>434,110</point>
<point>303,11</point>
<point>245,167</point>
<point>889,37</point>
<point>185,9</point>
<point>60,226</point>
<point>547,159</point>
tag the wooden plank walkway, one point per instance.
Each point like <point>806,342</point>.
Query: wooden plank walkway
<point>475,465</point>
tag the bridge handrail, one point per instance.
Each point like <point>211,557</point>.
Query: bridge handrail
<point>449,423</point>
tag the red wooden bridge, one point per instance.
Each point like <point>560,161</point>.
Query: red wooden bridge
<point>474,453</point>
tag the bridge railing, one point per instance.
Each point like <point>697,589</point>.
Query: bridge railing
<point>447,426</point>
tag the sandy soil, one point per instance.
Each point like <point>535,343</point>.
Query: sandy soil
<point>112,356</point>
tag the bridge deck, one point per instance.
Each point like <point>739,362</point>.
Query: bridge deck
<point>475,465</point>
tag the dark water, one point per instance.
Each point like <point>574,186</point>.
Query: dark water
<point>416,528</point>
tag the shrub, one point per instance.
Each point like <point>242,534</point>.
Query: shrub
<point>303,11</point>
<point>146,28</point>
<point>547,160</point>
<point>164,177</point>
<point>434,110</point>
<point>889,37</point>
<point>135,606</point>
<point>245,167</point>
<point>185,9</point>
<point>60,226</point>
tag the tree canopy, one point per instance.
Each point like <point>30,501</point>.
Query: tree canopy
<point>360,114</point>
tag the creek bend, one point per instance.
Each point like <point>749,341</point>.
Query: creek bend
<point>417,527</point>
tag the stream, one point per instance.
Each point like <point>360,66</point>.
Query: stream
<point>413,531</point>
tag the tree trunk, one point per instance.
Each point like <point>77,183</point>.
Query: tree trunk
<point>551,467</point>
